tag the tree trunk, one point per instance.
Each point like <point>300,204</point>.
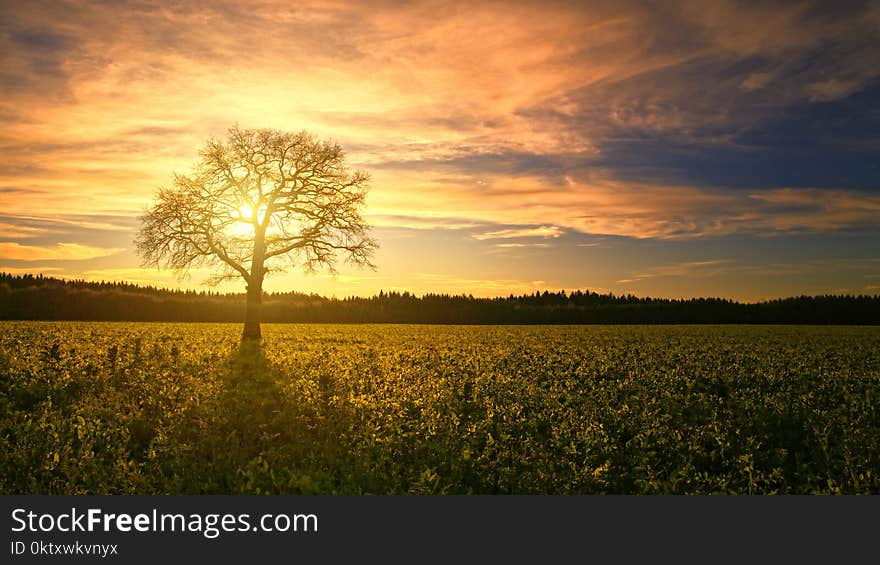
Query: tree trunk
<point>253,312</point>
<point>254,309</point>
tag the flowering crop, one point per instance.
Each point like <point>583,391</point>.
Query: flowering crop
<point>347,409</point>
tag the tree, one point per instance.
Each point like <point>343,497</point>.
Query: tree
<point>260,199</point>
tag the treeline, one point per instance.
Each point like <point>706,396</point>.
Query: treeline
<point>29,297</point>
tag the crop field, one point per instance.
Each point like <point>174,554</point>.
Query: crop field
<point>117,408</point>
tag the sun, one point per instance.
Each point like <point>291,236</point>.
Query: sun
<point>243,224</point>
<point>245,213</point>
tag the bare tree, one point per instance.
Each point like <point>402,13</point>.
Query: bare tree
<point>260,199</point>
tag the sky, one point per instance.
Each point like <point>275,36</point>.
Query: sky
<point>672,149</point>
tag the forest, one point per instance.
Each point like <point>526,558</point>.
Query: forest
<point>37,297</point>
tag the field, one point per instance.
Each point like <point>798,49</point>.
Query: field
<point>116,408</point>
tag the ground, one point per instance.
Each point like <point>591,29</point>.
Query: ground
<point>352,409</point>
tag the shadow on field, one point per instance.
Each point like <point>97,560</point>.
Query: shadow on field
<point>251,395</point>
<point>250,400</point>
<point>264,431</point>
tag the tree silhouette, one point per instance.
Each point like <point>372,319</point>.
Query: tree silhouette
<point>260,199</point>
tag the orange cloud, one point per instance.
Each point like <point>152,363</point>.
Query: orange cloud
<point>705,268</point>
<point>59,251</point>
<point>521,245</point>
<point>497,119</point>
<point>15,231</point>
<point>540,231</point>
<point>135,90</point>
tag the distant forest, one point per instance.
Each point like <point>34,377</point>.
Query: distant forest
<point>28,297</point>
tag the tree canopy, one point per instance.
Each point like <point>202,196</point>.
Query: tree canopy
<point>260,201</point>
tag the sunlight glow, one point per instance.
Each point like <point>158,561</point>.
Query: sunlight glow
<point>245,213</point>
<point>243,227</point>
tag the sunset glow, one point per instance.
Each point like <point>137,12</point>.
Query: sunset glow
<point>698,149</point>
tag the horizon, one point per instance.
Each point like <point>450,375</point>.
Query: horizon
<point>688,151</point>
<point>420,296</point>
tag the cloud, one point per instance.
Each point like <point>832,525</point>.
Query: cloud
<point>521,245</point>
<point>18,231</point>
<point>705,268</point>
<point>535,78</point>
<point>676,122</point>
<point>806,269</point>
<point>756,80</point>
<point>425,222</point>
<point>62,222</point>
<point>832,89</point>
<point>592,203</point>
<point>547,231</point>
<point>33,58</point>
<point>58,252</point>
<point>815,210</point>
